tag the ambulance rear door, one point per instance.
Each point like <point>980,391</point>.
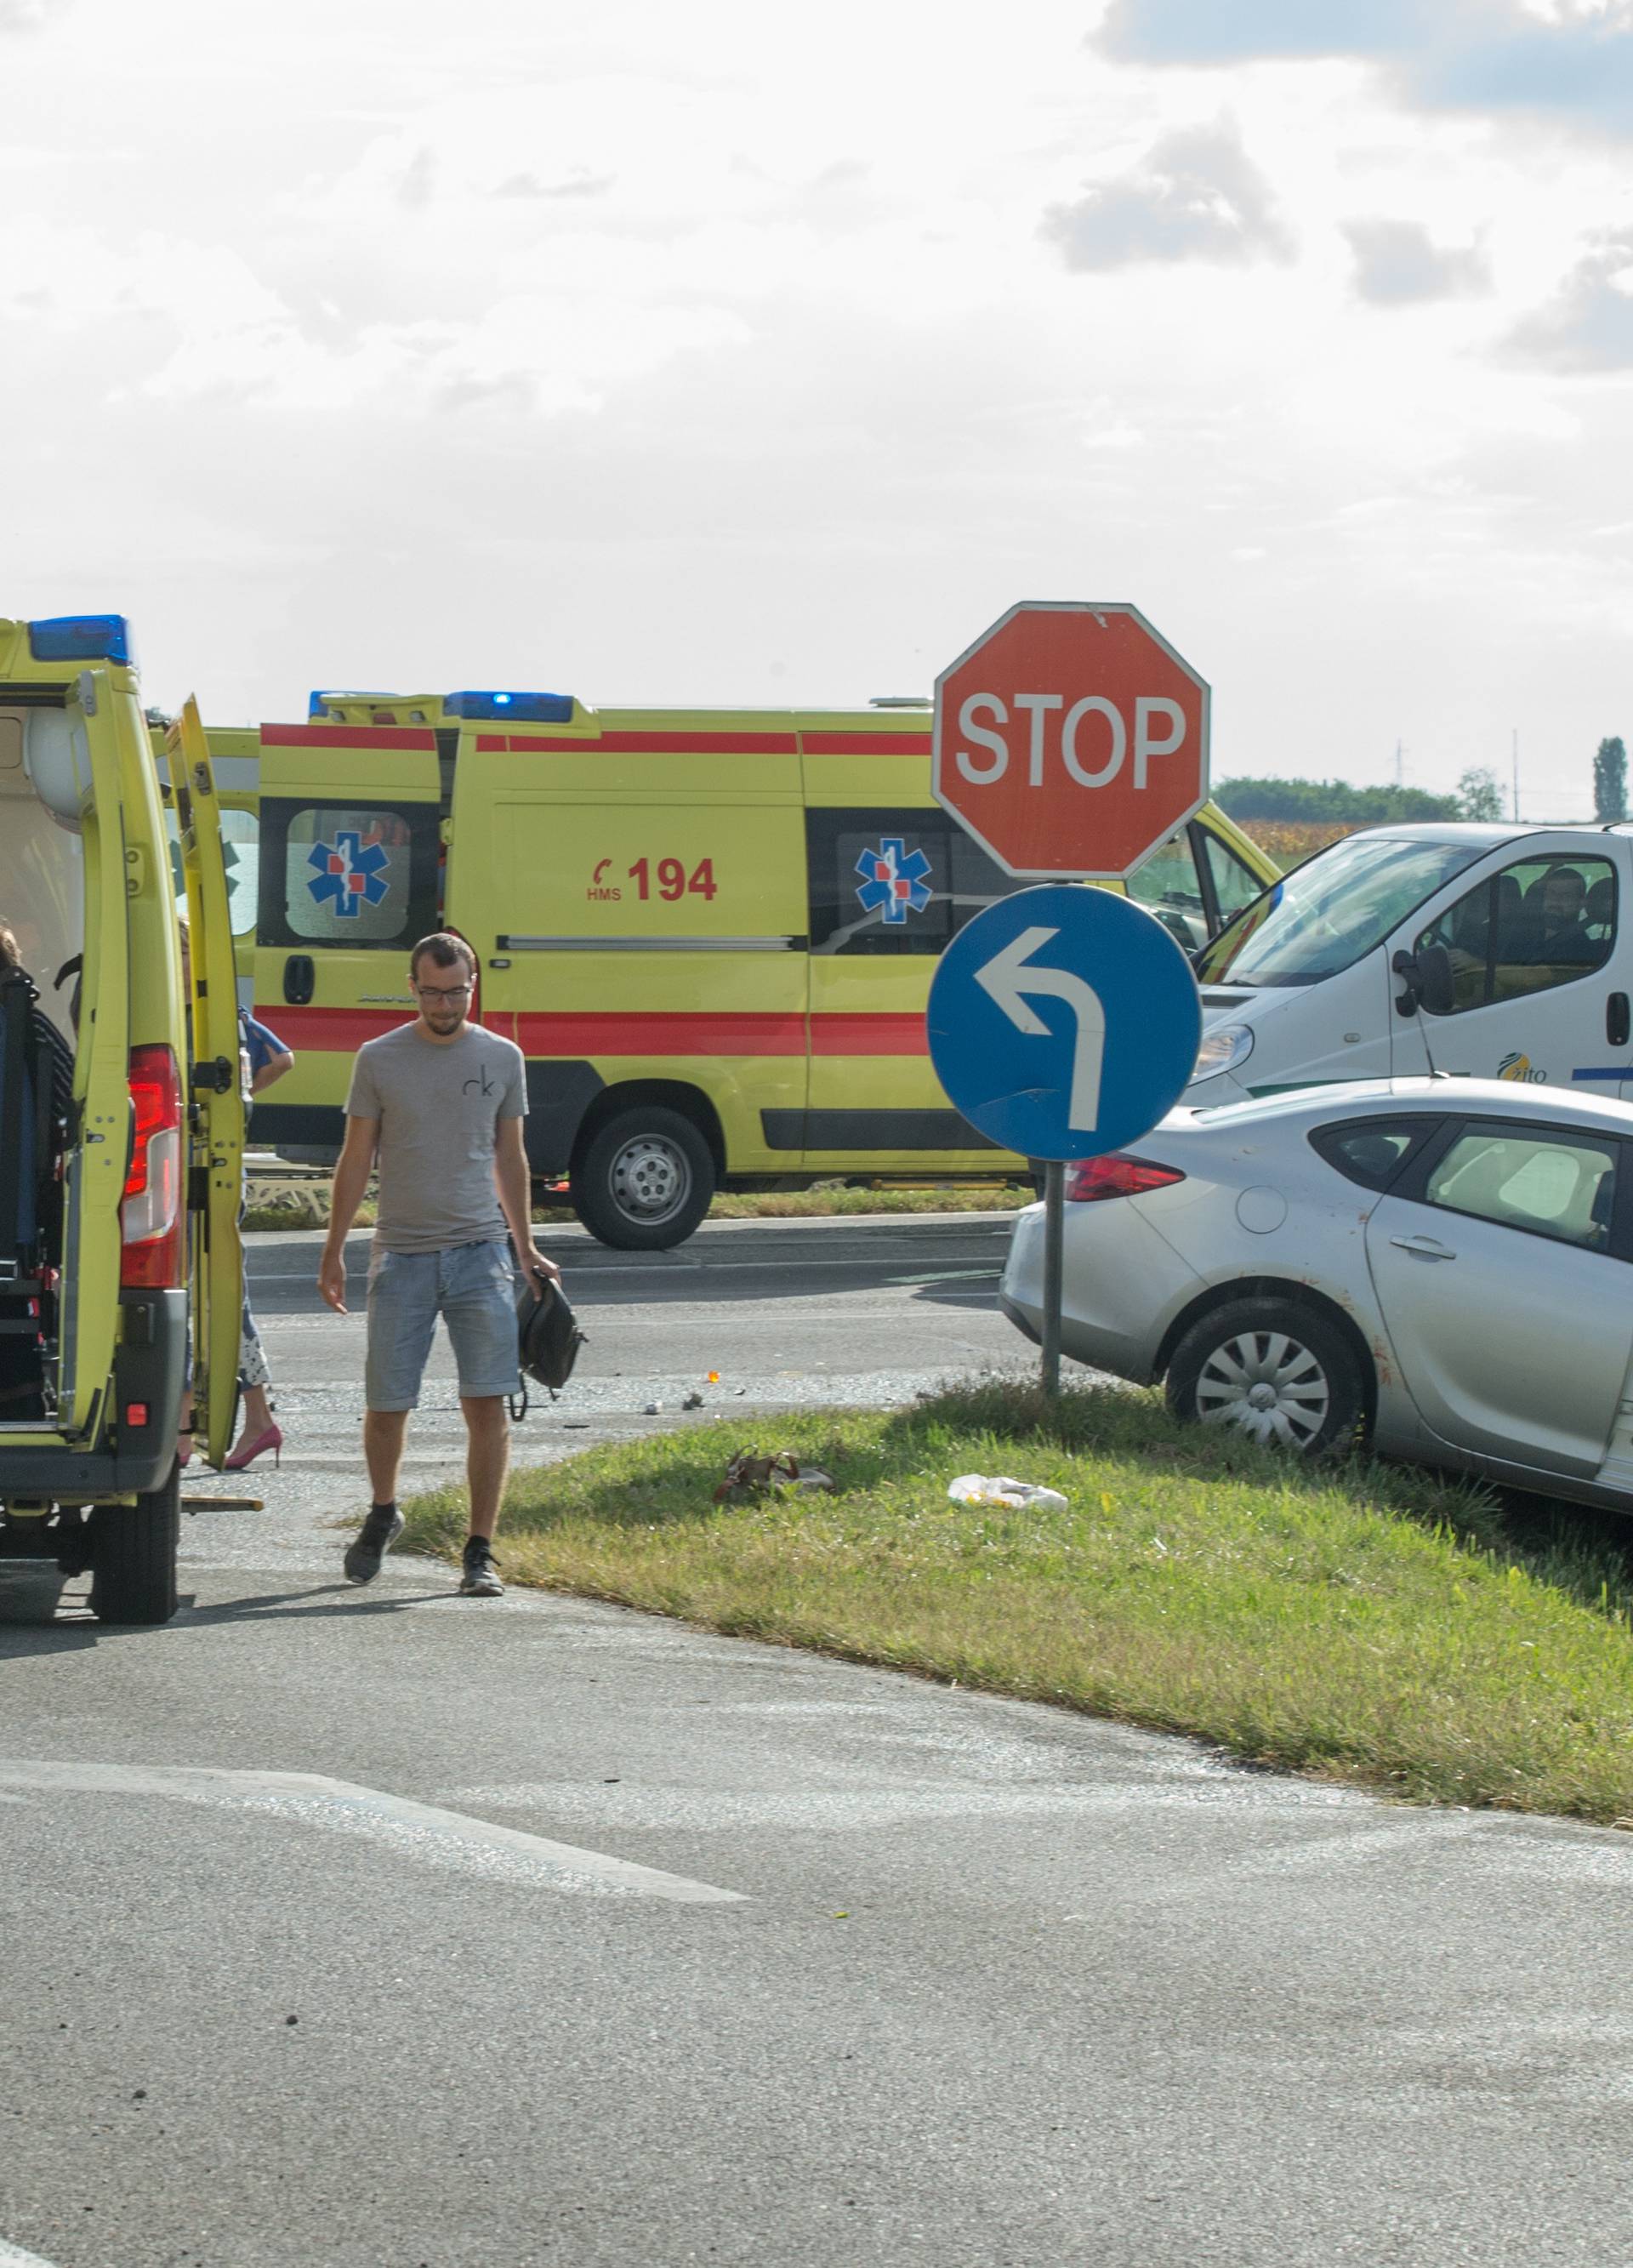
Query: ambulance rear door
<point>349,857</point>
<point>73,756</point>
<point>214,1184</point>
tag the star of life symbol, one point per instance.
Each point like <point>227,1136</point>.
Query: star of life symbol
<point>347,874</point>
<point>894,881</point>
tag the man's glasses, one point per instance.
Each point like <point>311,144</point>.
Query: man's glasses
<point>443,992</point>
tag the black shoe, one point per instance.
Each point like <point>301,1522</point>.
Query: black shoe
<point>380,1531</point>
<point>481,1579</point>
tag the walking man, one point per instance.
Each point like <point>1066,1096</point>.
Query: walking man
<point>440,1102</point>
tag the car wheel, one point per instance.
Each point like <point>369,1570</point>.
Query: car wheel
<point>644,1181</point>
<point>133,1555</point>
<point>1280,1373</point>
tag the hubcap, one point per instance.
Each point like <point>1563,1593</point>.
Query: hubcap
<point>1268,1385</point>
<point>651,1178</point>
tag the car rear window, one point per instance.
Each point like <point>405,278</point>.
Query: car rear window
<point>1372,1151</point>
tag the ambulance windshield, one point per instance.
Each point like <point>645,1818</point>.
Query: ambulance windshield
<point>1327,913</point>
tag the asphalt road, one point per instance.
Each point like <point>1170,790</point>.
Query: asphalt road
<point>383,1928</point>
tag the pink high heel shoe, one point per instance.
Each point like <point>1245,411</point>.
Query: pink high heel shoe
<point>247,1451</point>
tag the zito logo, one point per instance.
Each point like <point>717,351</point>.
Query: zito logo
<point>1517,1069</point>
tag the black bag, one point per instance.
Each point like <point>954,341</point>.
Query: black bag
<point>547,1335</point>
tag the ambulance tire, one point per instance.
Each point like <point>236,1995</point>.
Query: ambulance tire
<point>133,1555</point>
<point>646,1181</point>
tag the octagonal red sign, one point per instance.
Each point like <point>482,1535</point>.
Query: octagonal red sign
<point>1070,740</point>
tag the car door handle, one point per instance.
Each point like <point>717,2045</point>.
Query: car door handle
<point>1423,1247</point>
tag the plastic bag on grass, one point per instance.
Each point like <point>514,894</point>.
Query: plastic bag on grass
<point>1014,1496</point>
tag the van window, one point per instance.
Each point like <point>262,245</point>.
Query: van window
<point>1336,907</point>
<point>1539,923</point>
<point>240,849</point>
<point>336,874</point>
<point>895,881</point>
<point>1167,884</point>
<point>1234,885</point>
<point>1550,1187</point>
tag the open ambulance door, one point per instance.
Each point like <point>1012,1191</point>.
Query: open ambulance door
<point>73,760</point>
<point>215,1184</point>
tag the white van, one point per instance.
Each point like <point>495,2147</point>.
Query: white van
<point>1490,952</point>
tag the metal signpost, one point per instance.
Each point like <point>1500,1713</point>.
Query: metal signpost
<point>1062,1023</point>
<point>1070,740</point>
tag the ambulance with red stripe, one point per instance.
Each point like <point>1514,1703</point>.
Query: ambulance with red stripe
<point>711,933</point>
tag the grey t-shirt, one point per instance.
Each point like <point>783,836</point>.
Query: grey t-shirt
<point>439,1109</point>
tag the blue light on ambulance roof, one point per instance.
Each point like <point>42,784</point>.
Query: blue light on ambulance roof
<point>80,637</point>
<point>516,708</point>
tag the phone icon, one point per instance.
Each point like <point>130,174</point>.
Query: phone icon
<point>601,870</point>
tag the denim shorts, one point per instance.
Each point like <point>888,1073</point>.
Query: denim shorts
<point>473,1288</point>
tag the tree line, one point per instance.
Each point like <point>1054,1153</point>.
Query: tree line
<point>1477,795</point>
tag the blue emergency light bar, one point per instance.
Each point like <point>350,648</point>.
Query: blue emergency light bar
<point>80,637</point>
<point>512,708</point>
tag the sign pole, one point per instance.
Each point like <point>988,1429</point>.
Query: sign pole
<point>1053,1270</point>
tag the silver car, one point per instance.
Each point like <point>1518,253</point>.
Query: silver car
<point>1434,1263</point>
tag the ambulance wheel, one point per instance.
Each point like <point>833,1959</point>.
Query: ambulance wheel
<point>644,1181</point>
<point>133,1555</point>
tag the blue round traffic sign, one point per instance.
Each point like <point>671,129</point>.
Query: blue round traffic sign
<point>1063,1022</point>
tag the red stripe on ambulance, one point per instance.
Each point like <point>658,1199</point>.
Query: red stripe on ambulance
<point>347,736</point>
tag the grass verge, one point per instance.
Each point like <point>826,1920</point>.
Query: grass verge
<point>1357,1623</point>
<point>292,1206</point>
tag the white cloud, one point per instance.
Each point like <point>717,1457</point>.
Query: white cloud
<point>1196,195</point>
<point>1397,263</point>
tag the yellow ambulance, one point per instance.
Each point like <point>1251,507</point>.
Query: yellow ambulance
<point>120,1264</point>
<point>711,932</point>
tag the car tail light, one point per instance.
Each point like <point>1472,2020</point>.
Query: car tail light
<point>1090,1178</point>
<point>150,1218</point>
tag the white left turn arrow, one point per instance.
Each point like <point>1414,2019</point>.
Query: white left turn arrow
<point>1010,975</point>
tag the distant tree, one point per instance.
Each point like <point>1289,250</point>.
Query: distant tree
<point>1332,801</point>
<point>1610,781</point>
<point>1478,794</point>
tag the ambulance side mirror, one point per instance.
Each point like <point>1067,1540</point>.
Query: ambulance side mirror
<point>57,756</point>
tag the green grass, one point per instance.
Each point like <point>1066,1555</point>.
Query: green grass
<point>1353,1622</point>
<point>298,1205</point>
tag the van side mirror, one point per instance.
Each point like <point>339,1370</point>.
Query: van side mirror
<point>1426,981</point>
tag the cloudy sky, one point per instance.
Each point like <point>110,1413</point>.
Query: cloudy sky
<point>699,351</point>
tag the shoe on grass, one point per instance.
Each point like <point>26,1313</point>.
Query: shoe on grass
<point>380,1531</point>
<point>481,1579</point>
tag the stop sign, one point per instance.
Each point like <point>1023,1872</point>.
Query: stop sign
<point>1070,740</point>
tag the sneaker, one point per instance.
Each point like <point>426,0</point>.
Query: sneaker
<point>380,1531</point>
<point>481,1579</point>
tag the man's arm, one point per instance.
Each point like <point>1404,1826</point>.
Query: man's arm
<point>514,1183</point>
<point>351,1178</point>
<point>270,1073</point>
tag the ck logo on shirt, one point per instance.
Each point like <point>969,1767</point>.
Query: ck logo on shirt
<point>482,1085</point>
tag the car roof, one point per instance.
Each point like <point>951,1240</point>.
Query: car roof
<point>1387,1098</point>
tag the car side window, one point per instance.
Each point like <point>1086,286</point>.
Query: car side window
<point>1234,885</point>
<point>1540,923</point>
<point>1549,1186</point>
<point>1167,886</point>
<point>1372,1151</point>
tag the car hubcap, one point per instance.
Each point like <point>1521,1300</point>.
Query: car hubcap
<point>1268,1384</point>
<point>652,1179</point>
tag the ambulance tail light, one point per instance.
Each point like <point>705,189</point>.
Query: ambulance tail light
<point>1092,1180</point>
<point>80,637</point>
<point>512,708</point>
<point>151,1217</point>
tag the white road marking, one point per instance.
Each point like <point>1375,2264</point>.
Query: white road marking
<point>424,1828</point>
<point>12,2256</point>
